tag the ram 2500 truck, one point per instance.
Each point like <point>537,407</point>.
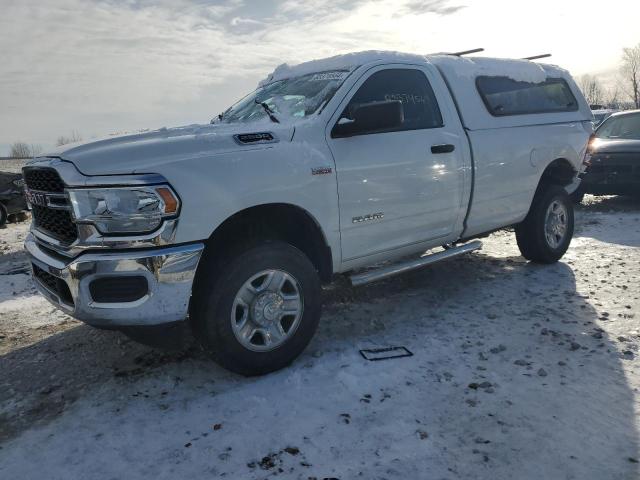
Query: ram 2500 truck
<point>326,168</point>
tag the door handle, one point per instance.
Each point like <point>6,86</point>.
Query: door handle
<point>445,148</point>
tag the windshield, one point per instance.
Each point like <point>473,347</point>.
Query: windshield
<point>623,126</point>
<point>293,98</point>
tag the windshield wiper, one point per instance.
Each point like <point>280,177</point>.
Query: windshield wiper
<point>267,109</point>
<point>217,119</point>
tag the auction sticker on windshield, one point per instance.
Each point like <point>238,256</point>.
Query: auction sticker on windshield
<point>329,76</point>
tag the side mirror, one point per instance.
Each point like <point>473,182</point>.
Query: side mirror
<point>371,118</point>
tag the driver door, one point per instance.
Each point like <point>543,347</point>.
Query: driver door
<point>402,185</point>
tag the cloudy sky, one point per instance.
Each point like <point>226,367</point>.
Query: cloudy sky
<point>105,66</point>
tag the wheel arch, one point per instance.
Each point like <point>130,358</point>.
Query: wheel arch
<point>558,172</point>
<point>274,221</point>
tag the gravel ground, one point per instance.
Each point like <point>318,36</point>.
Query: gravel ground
<point>519,371</point>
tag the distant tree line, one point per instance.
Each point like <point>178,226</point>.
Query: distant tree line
<point>74,137</point>
<point>625,90</point>
<point>631,71</point>
<point>26,150</point>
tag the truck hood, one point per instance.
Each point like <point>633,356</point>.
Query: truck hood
<point>140,153</point>
<point>604,145</point>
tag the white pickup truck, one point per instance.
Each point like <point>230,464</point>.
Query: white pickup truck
<point>328,167</point>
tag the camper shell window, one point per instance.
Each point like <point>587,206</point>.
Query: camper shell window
<point>504,96</point>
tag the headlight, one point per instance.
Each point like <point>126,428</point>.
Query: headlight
<point>18,183</point>
<point>124,210</point>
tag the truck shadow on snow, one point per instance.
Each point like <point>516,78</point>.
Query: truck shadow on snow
<point>509,347</point>
<point>526,334</point>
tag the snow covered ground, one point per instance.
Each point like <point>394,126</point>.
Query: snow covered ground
<point>519,372</point>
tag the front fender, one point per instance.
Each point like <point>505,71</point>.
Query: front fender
<point>213,189</point>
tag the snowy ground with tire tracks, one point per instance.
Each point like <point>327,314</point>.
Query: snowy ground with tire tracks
<point>519,371</point>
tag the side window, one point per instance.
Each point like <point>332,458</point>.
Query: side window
<point>504,96</point>
<point>410,87</point>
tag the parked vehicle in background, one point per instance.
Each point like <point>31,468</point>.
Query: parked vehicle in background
<point>601,115</point>
<point>614,166</point>
<point>326,168</point>
<point>12,200</point>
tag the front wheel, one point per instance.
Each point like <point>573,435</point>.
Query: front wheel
<point>545,234</point>
<point>259,311</point>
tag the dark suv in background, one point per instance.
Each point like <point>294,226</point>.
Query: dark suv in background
<point>614,168</point>
<point>12,199</point>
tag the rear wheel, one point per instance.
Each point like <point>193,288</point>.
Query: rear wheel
<point>256,313</point>
<point>545,234</point>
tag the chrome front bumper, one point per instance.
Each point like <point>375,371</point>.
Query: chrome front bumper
<point>169,273</point>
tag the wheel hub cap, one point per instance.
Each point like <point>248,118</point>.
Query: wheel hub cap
<point>267,307</point>
<point>556,223</point>
<point>267,310</point>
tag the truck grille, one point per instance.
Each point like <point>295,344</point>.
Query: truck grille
<point>55,222</point>
<point>43,180</point>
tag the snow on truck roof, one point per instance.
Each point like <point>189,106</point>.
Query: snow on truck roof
<point>461,74</point>
<point>466,67</point>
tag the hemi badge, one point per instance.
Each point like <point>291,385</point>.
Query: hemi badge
<point>321,171</point>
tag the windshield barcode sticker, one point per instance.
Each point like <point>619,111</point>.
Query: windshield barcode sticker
<point>328,76</point>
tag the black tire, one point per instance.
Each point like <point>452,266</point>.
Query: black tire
<point>213,302</point>
<point>3,215</point>
<point>530,234</point>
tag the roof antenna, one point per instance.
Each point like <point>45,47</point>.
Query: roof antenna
<point>467,52</point>
<point>536,57</point>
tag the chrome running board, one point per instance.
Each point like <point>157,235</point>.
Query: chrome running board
<point>398,268</point>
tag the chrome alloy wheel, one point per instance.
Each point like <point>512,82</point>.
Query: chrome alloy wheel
<point>556,224</point>
<point>267,310</point>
